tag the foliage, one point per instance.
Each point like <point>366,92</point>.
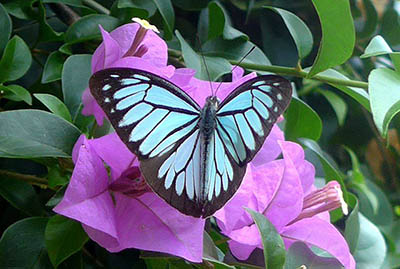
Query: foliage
<point>342,61</point>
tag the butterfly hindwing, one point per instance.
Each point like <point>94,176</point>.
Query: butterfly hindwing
<point>244,120</point>
<point>159,123</point>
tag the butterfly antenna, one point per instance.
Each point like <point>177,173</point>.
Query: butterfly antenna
<point>205,65</point>
<point>236,65</point>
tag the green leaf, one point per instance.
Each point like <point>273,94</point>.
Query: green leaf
<point>64,237</point>
<point>371,248</point>
<point>302,36</point>
<point>337,103</point>
<point>5,27</point>
<point>302,121</point>
<point>35,133</point>
<point>301,256</point>
<point>16,60</point>
<point>22,244</point>
<point>21,195</point>
<point>274,249</point>
<point>54,105</point>
<point>216,66</point>
<point>87,27</point>
<point>46,33</point>
<point>53,67</point>
<point>167,13</point>
<point>234,50</point>
<point>16,93</point>
<point>377,46</point>
<point>148,6</point>
<point>384,91</point>
<point>375,205</point>
<point>190,5</point>
<point>338,35</point>
<point>75,79</point>
<point>352,231</point>
<point>76,3</point>
<point>330,168</point>
<point>358,94</point>
<point>219,23</point>
<point>21,9</point>
<point>56,177</point>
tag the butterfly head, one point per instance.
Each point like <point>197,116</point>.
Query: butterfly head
<point>213,101</point>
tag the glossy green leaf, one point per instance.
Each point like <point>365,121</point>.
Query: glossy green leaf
<point>16,93</point>
<point>46,32</point>
<point>301,256</point>
<point>53,67</point>
<point>390,23</point>
<point>57,177</point>
<point>148,6</point>
<point>302,121</point>
<point>16,60</point>
<point>87,27</point>
<point>234,50</point>
<point>301,35</point>
<point>352,231</point>
<point>338,105</point>
<point>216,66</point>
<point>76,3</point>
<point>377,46</point>
<point>54,105</point>
<point>375,205</point>
<point>21,9</point>
<point>63,238</point>
<point>358,94</point>
<point>21,195</point>
<point>5,27</point>
<point>35,133</point>
<point>167,13</point>
<point>75,79</point>
<point>274,249</point>
<point>330,168</point>
<point>219,23</point>
<point>22,244</point>
<point>384,91</point>
<point>371,248</point>
<point>338,34</point>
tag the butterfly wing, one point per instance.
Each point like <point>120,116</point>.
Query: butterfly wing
<point>243,121</point>
<point>159,123</point>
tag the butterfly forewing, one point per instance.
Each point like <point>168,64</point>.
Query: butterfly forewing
<point>159,123</point>
<point>244,120</point>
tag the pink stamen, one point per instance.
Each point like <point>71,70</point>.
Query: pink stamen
<point>139,37</point>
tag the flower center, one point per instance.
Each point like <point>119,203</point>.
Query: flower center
<point>130,183</point>
<point>328,198</point>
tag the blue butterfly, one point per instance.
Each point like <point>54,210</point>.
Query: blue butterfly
<point>194,158</point>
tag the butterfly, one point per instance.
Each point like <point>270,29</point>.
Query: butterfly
<point>194,158</point>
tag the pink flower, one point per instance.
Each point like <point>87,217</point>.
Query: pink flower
<point>120,211</point>
<point>283,191</point>
<point>132,46</point>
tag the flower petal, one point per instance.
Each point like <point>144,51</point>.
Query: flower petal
<point>322,234</point>
<point>86,198</point>
<point>240,251</point>
<point>288,200</point>
<point>114,153</point>
<point>149,223</point>
<point>270,149</point>
<point>107,53</point>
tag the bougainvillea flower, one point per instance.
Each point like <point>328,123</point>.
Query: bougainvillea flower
<point>283,191</point>
<point>119,211</point>
<point>130,45</point>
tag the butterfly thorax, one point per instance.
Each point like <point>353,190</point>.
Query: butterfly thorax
<point>207,125</point>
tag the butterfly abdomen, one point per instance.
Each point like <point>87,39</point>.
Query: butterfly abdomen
<point>207,125</point>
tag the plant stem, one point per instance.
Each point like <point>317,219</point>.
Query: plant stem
<point>300,73</point>
<point>289,71</point>
<point>96,6</point>
<point>34,180</point>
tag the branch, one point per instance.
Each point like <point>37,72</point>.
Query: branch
<point>34,180</point>
<point>64,13</point>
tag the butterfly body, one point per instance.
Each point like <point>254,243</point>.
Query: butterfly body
<point>194,158</point>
